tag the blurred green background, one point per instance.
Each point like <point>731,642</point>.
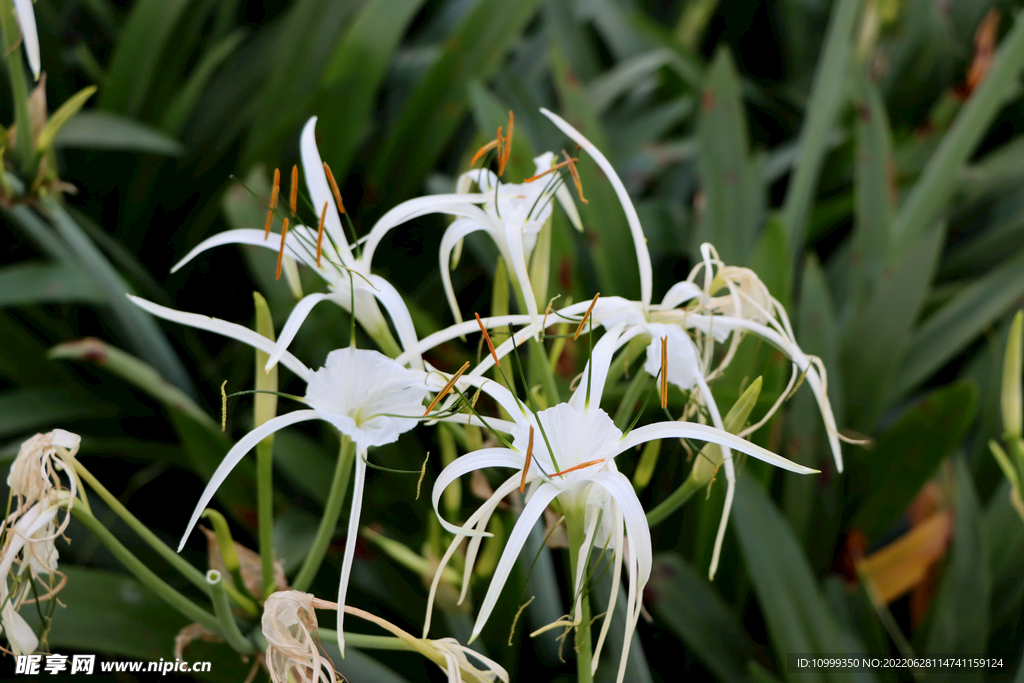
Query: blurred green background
<point>864,156</point>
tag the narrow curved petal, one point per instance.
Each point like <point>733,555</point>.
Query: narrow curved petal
<point>730,473</point>
<point>350,543</point>
<point>596,373</point>
<point>531,513</point>
<point>679,293</point>
<point>27,19</point>
<point>692,430</point>
<point>462,205</point>
<point>617,531</point>
<point>634,601</point>
<point>392,301</point>
<point>320,190</point>
<point>643,257</point>
<point>517,257</point>
<point>452,238</point>
<point>505,398</point>
<point>247,236</point>
<point>460,330</point>
<point>633,518</point>
<point>564,198</point>
<point>235,455</point>
<point>581,570</point>
<point>222,327</point>
<point>509,485</point>
<point>487,457</point>
<point>292,325</point>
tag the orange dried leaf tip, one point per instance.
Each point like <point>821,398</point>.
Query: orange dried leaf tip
<point>447,387</point>
<point>334,188</point>
<point>526,467</point>
<point>664,372</point>
<point>487,338</point>
<point>280,254</point>
<point>578,467</point>
<point>482,151</point>
<point>586,317</point>
<point>273,203</point>
<point>293,200</point>
<point>320,235</point>
<point>575,176</point>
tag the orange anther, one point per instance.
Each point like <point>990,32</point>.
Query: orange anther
<point>575,176</point>
<point>487,338</point>
<point>507,146</point>
<point>293,200</point>
<point>280,254</point>
<point>526,467</point>
<point>482,151</point>
<point>320,234</point>
<point>447,387</point>
<point>273,203</point>
<point>578,467</point>
<point>585,317</point>
<point>561,164</point>
<point>664,372</point>
<point>334,188</point>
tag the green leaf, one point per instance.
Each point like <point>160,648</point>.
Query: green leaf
<point>877,335</point>
<point>959,621</point>
<point>354,75</point>
<point>939,181</point>
<point>32,408</point>
<point>873,207</point>
<point>29,283</point>
<point>886,480</point>
<point>797,616</point>
<point>109,613</point>
<point>60,117</point>
<point>949,330</point>
<point>429,118</point>
<point>730,178</point>
<point>1004,534</point>
<point>103,130</point>
<point>694,613</point>
<point>133,67</point>
<point>185,102</point>
<point>827,94</point>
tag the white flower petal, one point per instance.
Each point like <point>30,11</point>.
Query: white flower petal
<point>564,197</point>
<point>358,479</point>
<point>291,327</point>
<point>246,236</point>
<point>222,327</point>
<point>532,511</point>
<point>320,190</point>
<point>684,369</point>
<point>452,204</point>
<point>517,256</point>
<point>633,517</point>
<point>27,20</point>
<point>596,371</point>
<point>691,430</point>
<point>235,455</point>
<point>20,636</point>
<point>679,293</point>
<point>643,257</point>
<point>392,301</point>
<point>453,237</point>
<point>460,330</point>
<point>617,531</point>
<point>487,457</point>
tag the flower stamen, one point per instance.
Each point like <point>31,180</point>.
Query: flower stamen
<point>526,467</point>
<point>507,151</point>
<point>280,254</point>
<point>579,467</point>
<point>487,338</point>
<point>559,165</point>
<point>482,151</point>
<point>334,188</point>
<point>293,199</point>
<point>320,234</point>
<point>575,176</point>
<point>447,388</point>
<point>664,372</point>
<point>585,317</point>
<point>273,203</point>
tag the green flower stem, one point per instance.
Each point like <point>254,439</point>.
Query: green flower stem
<point>361,641</point>
<point>228,553</point>
<point>574,524</point>
<point>229,627</point>
<point>19,87</point>
<point>146,576</point>
<point>265,408</point>
<point>329,521</point>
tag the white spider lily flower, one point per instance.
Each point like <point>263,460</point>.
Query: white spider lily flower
<point>293,649</point>
<point>363,393</point>
<point>29,35</point>
<point>572,459</point>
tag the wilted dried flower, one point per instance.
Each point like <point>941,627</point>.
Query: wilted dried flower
<point>289,625</point>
